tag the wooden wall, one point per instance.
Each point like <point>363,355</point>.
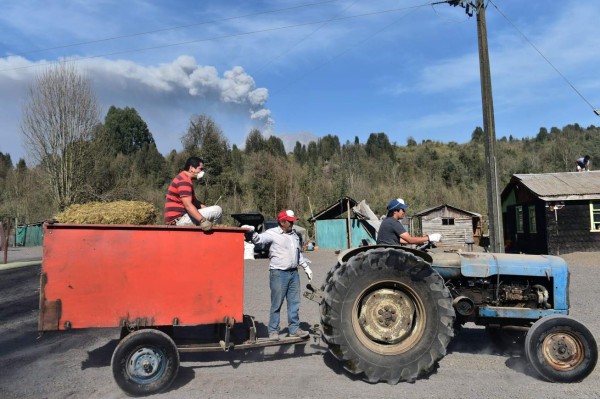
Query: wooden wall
<point>453,235</point>
<point>559,231</point>
<point>333,233</point>
<point>570,231</point>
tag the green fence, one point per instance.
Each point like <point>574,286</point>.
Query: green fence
<point>30,235</point>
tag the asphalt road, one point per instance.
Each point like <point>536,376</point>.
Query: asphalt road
<point>76,363</point>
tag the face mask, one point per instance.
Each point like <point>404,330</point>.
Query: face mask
<point>200,175</point>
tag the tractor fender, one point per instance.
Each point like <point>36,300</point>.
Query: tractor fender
<point>347,254</point>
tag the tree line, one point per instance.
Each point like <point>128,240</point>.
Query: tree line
<point>79,158</point>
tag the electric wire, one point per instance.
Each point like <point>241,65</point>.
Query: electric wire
<point>106,39</point>
<point>544,57</point>
<point>357,44</point>
<point>303,39</point>
<point>392,10</point>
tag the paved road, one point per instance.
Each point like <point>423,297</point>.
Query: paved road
<point>77,363</point>
<point>20,256</point>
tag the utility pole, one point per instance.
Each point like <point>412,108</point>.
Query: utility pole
<point>489,128</point>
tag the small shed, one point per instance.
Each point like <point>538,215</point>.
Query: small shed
<point>552,213</point>
<point>457,226</point>
<point>339,227</point>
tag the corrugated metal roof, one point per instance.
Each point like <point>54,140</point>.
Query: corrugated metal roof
<point>334,210</point>
<point>428,210</point>
<point>562,186</point>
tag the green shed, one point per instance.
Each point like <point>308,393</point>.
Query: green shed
<point>340,226</point>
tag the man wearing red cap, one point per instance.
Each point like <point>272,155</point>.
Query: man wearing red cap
<point>284,258</point>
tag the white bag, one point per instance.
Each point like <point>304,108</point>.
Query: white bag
<point>248,250</point>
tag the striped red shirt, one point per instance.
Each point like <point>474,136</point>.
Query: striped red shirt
<point>180,187</point>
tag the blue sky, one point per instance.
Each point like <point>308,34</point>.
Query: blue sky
<point>302,69</point>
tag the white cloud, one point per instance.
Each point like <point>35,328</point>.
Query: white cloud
<point>157,92</point>
<point>261,114</point>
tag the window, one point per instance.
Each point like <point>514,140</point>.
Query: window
<point>595,215</point>
<point>519,218</point>
<point>532,222</point>
<point>447,221</point>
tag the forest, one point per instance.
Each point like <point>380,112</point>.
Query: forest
<point>116,158</point>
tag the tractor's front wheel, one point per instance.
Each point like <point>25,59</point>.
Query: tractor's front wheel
<point>560,349</point>
<point>387,314</point>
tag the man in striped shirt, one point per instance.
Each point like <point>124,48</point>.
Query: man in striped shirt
<point>182,208</point>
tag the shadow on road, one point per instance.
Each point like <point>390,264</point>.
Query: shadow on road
<point>508,344</point>
<point>481,341</point>
<point>100,357</point>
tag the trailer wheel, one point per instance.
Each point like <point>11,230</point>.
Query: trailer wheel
<point>560,349</point>
<point>145,362</point>
<point>387,314</point>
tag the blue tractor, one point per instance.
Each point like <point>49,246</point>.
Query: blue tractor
<point>389,312</point>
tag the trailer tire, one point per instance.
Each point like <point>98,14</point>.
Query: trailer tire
<point>387,314</point>
<point>145,362</point>
<point>560,349</point>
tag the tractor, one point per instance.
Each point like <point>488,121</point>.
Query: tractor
<point>389,312</point>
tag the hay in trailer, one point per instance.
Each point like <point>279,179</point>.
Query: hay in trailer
<point>118,212</point>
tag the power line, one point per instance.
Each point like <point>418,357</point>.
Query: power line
<point>350,48</point>
<point>303,39</point>
<point>227,36</point>
<point>596,111</point>
<point>168,29</point>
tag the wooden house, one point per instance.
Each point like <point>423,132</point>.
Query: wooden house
<point>459,228</point>
<point>552,213</point>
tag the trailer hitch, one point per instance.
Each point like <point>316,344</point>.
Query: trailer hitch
<point>225,343</point>
<point>313,294</point>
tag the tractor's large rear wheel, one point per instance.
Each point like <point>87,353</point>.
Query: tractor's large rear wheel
<point>387,314</point>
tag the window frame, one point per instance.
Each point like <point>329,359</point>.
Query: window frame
<point>532,219</point>
<point>449,221</point>
<point>519,219</point>
<point>594,211</point>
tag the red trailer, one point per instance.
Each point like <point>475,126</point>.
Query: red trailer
<point>146,280</point>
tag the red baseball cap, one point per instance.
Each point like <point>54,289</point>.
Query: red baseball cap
<point>286,215</point>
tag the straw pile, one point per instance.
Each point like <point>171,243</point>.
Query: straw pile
<point>118,212</point>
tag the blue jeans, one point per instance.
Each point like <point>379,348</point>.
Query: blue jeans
<point>285,284</point>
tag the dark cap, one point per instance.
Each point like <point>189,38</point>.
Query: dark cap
<point>395,204</point>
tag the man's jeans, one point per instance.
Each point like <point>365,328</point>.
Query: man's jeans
<point>285,284</point>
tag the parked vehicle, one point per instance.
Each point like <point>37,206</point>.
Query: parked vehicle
<point>387,312</point>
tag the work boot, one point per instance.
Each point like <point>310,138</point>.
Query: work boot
<point>274,336</point>
<point>299,334</point>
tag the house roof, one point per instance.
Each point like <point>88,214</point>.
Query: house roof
<point>335,209</point>
<point>566,186</point>
<point>435,208</point>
